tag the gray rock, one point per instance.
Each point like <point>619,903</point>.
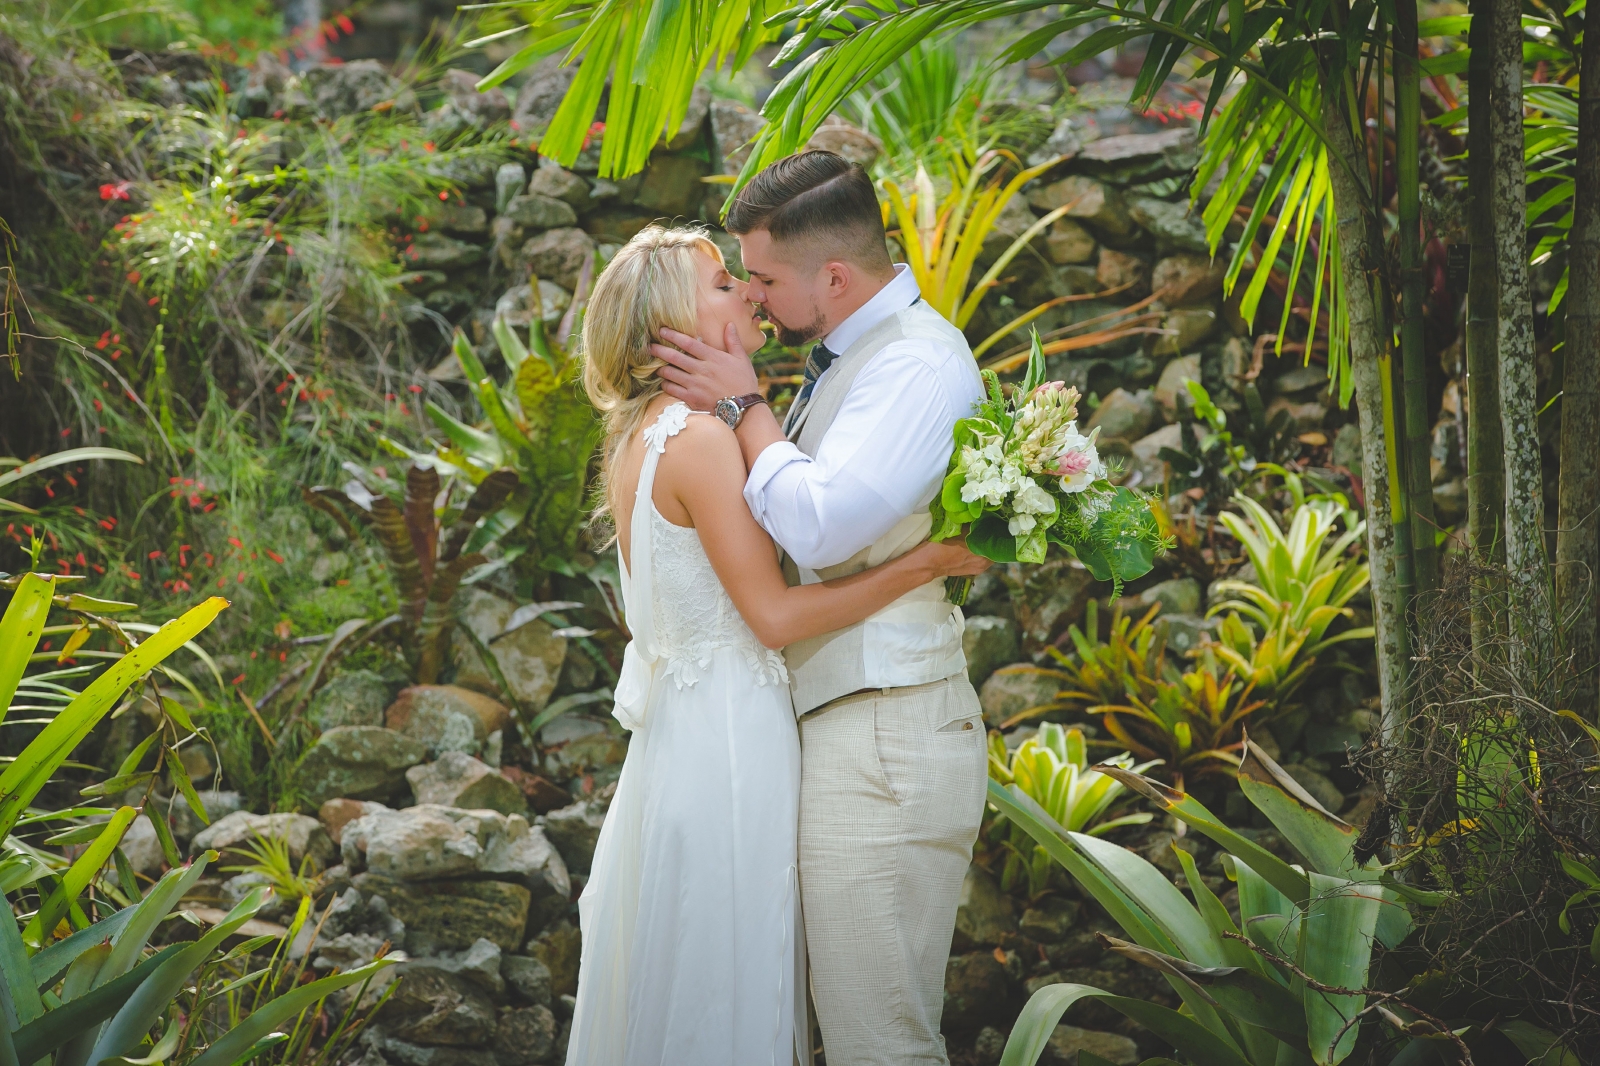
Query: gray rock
<point>1347,448</point>
<point>218,804</point>
<point>1011,690</point>
<point>1187,279</point>
<point>1185,328</point>
<point>335,814</point>
<point>984,916</point>
<point>586,755</point>
<point>1098,206</point>
<point>1180,595</point>
<point>142,848</point>
<point>856,145</point>
<point>1138,157</point>
<point>1303,417</point>
<point>356,697</point>
<point>558,254</point>
<point>494,748</point>
<point>1311,379</point>
<point>466,103</point>
<point>974,990</point>
<point>452,915</point>
<point>346,88</point>
<point>990,1045</point>
<point>541,95</point>
<point>1053,596</point>
<point>1068,1040</point>
<point>509,182</point>
<point>429,841</point>
<point>1184,632</point>
<point>459,780</point>
<point>1123,415</point>
<point>461,218</point>
<point>473,172</point>
<point>540,212</point>
<point>1128,274</point>
<point>304,836</point>
<point>733,127</point>
<point>528,977</point>
<point>480,964</point>
<point>389,1050</point>
<point>575,830</point>
<point>526,1036</point>
<point>1147,469</point>
<point>529,657</point>
<point>1064,140</point>
<point>435,251</point>
<point>988,643</point>
<point>446,717</point>
<point>1068,242</point>
<point>671,186</point>
<point>1173,225</point>
<point>1324,791</point>
<point>559,948</point>
<point>1049,920</point>
<point>433,1007</point>
<point>516,306</point>
<point>570,727</point>
<point>559,184</point>
<point>1170,392</point>
<point>694,120</point>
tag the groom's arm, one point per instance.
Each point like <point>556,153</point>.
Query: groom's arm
<point>882,459</point>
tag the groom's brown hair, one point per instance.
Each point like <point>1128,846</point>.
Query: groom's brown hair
<point>817,199</point>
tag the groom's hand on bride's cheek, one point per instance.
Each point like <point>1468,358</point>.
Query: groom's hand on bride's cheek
<point>700,374</point>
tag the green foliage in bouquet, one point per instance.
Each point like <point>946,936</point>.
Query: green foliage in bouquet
<point>1022,478</point>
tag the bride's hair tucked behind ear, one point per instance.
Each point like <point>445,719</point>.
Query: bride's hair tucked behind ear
<point>654,281</point>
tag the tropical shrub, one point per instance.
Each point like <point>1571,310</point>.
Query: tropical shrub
<point>1052,768</point>
<point>1287,982</point>
<point>1191,721</point>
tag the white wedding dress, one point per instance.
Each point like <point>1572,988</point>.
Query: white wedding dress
<point>693,952</point>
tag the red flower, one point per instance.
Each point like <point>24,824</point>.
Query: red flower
<point>134,276</point>
<point>274,556</point>
<point>344,23</point>
<point>117,191</point>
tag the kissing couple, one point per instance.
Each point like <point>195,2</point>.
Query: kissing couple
<point>806,775</point>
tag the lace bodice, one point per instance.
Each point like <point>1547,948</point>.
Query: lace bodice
<point>693,615</point>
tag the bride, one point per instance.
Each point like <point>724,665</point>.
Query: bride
<point>693,950</point>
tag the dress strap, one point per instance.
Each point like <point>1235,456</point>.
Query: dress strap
<point>639,659</point>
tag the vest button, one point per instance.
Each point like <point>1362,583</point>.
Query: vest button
<point>967,726</point>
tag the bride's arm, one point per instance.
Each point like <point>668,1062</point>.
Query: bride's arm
<point>703,470</point>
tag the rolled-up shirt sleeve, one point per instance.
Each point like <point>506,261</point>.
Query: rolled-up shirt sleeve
<point>882,459</point>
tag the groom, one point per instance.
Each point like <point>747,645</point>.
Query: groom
<point>893,749</point>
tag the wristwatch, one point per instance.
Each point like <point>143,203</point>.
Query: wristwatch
<point>731,409</point>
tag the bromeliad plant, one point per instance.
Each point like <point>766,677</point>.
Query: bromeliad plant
<point>1287,983</point>
<point>1022,478</point>
<point>1192,722</point>
<point>1052,768</point>
<point>1302,582</point>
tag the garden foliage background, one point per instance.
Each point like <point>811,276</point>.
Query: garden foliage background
<point>320,292</point>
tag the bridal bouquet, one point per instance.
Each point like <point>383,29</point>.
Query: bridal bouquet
<point>1023,477</point>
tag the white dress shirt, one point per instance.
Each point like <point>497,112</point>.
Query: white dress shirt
<point>883,458</point>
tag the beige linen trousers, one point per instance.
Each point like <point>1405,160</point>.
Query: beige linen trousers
<point>891,794</point>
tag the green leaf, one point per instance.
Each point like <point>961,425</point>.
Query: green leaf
<point>32,769</point>
<point>81,1015</point>
<point>990,538</point>
<point>128,942</point>
<point>1335,948</point>
<point>20,630</point>
<point>237,1042</point>
<point>78,876</point>
<point>161,1052</point>
<point>71,455</point>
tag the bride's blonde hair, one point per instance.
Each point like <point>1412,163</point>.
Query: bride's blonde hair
<point>653,282</point>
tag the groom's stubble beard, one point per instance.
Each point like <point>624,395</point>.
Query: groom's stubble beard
<point>790,337</point>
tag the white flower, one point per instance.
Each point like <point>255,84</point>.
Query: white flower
<point>1078,464</point>
<point>1033,499</point>
<point>1021,524</point>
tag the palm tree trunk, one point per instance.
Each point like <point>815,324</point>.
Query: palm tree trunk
<point>1360,261</point>
<point>1418,435</point>
<point>1519,424</point>
<point>1486,497</point>
<point>1578,538</point>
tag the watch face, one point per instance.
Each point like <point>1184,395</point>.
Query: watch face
<point>728,411</point>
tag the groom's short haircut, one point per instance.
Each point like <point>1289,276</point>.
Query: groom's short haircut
<point>820,202</point>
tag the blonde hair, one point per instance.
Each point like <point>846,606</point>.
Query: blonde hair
<point>652,282</point>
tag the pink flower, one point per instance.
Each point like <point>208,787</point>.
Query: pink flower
<point>1070,463</point>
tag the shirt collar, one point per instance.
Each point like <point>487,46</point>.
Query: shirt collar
<point>900,293</point>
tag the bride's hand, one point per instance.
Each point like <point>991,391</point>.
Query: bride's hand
<point>950,558</point>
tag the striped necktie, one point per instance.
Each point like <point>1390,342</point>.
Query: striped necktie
<point>818,361</point>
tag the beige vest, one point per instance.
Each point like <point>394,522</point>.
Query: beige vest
<point>917,638</point>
